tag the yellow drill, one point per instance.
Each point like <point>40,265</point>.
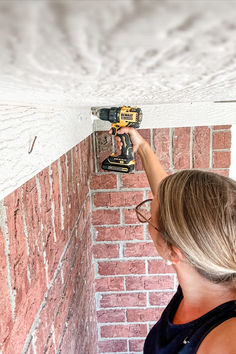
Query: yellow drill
<point>125,116</point>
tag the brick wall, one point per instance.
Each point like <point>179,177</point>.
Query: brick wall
<point>132,284</point>
<point>46,273</point>
<point>46,248</point>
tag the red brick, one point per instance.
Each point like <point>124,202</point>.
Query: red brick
<point>66,343</point>
<point>222,140</point>
<point>49,347</point>
<point>106,251</point>
<point>46,211</point>
<point>30,350</point>
<point>70,191</point>
<point>160,298</point>
<point>216,127</point>
<point>110,284</point>
<point>150,195</point>
<point>24,319</point>
<point>104,316</point>
<point>68,257</point>
<point>63,310</point>
<point>221,159</point>
<point>78,293</point>
<point>123,300</point>
<point>17,245</point>
<point>130,216</point>
<point>63,195</point>
<point>144,315</point>
<point>56,199</point>
<point>117,199</point>
<point>86,156</point>
<point>181,148</point>
<point>106,217</point>
<point>69,339</point>
<point>103,147</point>
<point>136,345</point>
<point>79,183</point>
<point>142,249</point>
<point>82,220</point>
<point>77,191</point>
<point>124,331</point>
<point>28,296</point>
<point>84,253</point>
<point>161,282</point>
<point>159,267</point>
<point>78,298</point>
<point>48,314</point>
<point>121,267</point>
<point>84,324</point>
<point>43,177</point>
<point>85,171</point>
<point>201,147</point>
<point>76,181</point>
<point>161,140</point>
<point>90,155</point>
<point>224,172</point>
<point>120,233</point>
<point>135,180</point>
<point>5,305</point>
<point>32,216</point>
<point>112,346</point>
<point>104,181</point>
<point>47,234</point>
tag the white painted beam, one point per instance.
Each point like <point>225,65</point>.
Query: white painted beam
<point>57,131</point>
<point>182,115</point>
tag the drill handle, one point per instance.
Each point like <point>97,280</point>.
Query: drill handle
<point>127,147</point>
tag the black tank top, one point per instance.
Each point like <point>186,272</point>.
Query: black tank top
<point>168,338</point>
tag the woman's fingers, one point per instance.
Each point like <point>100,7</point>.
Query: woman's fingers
<point>136,139</point>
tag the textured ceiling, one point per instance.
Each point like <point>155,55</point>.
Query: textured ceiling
<point>87,53</point>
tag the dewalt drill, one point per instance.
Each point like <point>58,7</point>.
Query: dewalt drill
<point>120,117</point>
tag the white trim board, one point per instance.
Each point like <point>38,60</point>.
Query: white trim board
<point>58,129</point>
<point>182,114</point>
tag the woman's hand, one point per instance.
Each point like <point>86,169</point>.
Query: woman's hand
<point>136,139</point>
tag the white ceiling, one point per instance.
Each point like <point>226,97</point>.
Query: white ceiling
<point>174,59</point>
<point>87,53</point>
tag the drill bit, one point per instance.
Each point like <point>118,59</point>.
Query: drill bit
<point>94,111</point>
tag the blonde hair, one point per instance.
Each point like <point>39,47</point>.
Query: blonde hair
<point>197,214</point>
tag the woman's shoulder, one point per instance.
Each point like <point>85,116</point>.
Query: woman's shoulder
<point>222,339</point>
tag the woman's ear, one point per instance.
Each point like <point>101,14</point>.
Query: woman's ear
<point>176,255</point>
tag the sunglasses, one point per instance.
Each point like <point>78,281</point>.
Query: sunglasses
<point>143,212</point>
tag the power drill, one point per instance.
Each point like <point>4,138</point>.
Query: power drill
<point>125,116</point>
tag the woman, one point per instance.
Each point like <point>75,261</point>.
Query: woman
<point>193,226</point>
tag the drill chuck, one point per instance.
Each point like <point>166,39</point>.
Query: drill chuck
<point>109,114</point>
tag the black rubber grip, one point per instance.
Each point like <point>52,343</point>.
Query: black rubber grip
<point>127,147</point>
